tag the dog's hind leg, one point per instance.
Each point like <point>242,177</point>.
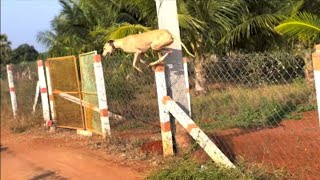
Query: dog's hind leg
<point>135,60</point>
<point>161,58</point>
<point>141,60</point>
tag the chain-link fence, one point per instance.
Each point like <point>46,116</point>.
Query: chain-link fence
<point>256,107</point>
<point>26,87</point>
<point>25,102</point>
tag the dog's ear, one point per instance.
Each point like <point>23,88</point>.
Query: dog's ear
<point>110,41</point>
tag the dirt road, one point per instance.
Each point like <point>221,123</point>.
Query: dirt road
<point>27,157</point>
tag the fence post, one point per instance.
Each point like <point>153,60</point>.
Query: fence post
<point>167,143</point>
<point>51,99</point>
<point>316,68</point>
<point>102,97</point>
<point>186,77</point>
<point>175,75</point>
<point>44,92</point>
<point>12,92</point>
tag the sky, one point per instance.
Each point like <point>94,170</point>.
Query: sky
<point>21,20</point>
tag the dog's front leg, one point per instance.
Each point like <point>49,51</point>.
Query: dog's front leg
<point>135,60</point>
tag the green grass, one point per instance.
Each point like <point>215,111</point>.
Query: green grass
<point>251,107</point>
<point>190,170</point>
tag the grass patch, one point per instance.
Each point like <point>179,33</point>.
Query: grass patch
<point>190,170</point>
<point>251,107</point>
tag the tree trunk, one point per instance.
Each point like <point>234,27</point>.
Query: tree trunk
<point>308,69</point>
<point>200,75</point>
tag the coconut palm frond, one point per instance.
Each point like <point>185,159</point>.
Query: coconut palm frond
<point>250,27</point>
<point>303,27</point>
<point>191,23</point>
<point>123,30</point>
<point>47,38</point>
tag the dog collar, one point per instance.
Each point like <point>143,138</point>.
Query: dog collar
<point>112,45</point>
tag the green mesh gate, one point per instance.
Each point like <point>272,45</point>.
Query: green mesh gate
<point>89,92</point>
<point>66,92</point>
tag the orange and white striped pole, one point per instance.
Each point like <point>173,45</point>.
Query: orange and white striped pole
<point>102,97</point>
<point>167,142</point>
<point>44,92</point>
<point>50,92</point>
<point>201,138</point>
<point>186,77</point>
<point>12,92</point>
<point>316,69</point>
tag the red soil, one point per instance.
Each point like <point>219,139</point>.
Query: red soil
<point>29,156</point>
<point>293,145</point>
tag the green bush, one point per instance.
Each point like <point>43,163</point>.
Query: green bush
<point>253,69</point>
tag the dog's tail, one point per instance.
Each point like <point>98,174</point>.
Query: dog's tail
<point>185,48</point>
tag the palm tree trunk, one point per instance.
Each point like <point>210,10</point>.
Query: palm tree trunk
<point>308,70</point>
<point>200,75</point>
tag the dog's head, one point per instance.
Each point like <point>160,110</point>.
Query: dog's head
<point>108,48</point>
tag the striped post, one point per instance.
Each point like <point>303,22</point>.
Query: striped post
<point>186,77</point>
<point>168,19</point>
<point>201,138</point>
<point>102,97</point>
<point>167,143</point>
<point>12,92</point>
<point>51,100</point>
<point>316,68</point>
<point>44,92</point>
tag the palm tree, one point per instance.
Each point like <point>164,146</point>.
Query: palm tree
<point>303,27</point>
<point>5,47</point>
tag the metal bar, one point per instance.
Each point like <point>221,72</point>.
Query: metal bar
<point>70,127</point>
<point>56,91</point>
<point>84,92</point>
<point>60,59</point>
<point>79,91</point>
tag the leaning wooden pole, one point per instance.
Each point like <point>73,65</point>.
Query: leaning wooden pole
<point>198,135</point>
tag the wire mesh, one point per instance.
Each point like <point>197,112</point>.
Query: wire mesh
<point>89,92</point>
<point>256,107</point>
<point>25,78</point>
<point>131,95</point>
<point>65,83</point>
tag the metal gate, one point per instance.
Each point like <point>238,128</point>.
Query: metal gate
<point>89,92</point>
<point>66,92</point>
